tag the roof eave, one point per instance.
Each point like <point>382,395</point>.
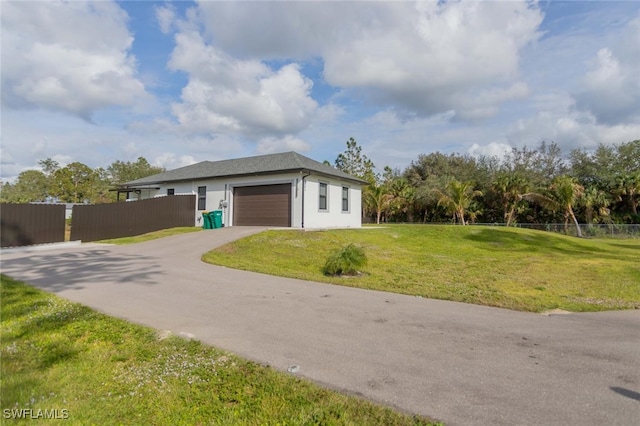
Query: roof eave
<point>273,172</point>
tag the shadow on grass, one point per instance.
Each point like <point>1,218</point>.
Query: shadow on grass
<point>501,240</point>
<point>625,246</point>
<point>74,270</point>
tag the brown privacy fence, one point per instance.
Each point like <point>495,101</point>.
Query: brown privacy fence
<point>103,221</point>
<point>28,224</point>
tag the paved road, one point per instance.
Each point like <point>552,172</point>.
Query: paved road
<point>460,363</point>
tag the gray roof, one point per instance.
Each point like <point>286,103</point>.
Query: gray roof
<point>261,165</point>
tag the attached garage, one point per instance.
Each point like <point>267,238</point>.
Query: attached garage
<point>263,205</point>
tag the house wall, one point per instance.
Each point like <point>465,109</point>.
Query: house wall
<point>214,195</point>
<point>220,192</point>
<point>333,216</point>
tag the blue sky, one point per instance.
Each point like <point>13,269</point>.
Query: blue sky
<point>181,82</point>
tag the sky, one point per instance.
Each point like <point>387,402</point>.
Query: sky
<point>186,81</point>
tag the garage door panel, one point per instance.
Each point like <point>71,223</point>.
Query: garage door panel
<point>263,205</point>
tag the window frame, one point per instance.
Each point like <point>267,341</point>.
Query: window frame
<point>171,191</point>
<point>202,198</point>
<point>347,199</point>
<point>324,185</point>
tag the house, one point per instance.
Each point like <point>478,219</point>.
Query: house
<point>285,190</point>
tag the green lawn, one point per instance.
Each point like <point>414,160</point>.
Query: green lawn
<point>496,266</point>
<point>58,355</point>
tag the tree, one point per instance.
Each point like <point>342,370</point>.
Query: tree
<point>30,186</point>
<point>510,189</point>
<point>628,186</point>
<point>456,198</point>
<point>402,195</point>
<point>377,199</point>
<point>628,157</point>
<point>402,198</point>
<point>595,204</point>
<point>537,166</point>
<point>355,163</point>
<point>102,187</point>
<point>461,167</point>
<point>49,166</point>
<point>120,171</point>
<point>564,193</point>
<point>584,168</point>
<point>75,183</point>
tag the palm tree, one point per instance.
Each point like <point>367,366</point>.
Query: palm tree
<point>565,191</point>
<point>629,185</point>
<point>377,199</point>
<point>457,197</point>
<point>596,205</point>
<point>511,189</point>
<point>402,197</point>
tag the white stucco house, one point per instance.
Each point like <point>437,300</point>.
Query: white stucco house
<point>285,190</point>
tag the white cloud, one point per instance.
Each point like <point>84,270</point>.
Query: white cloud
<point>492,149</point>
<point>559,121</point>
<point>63,160</point>
<point>611,89</point>
<point>485,102</point>
<point>166,16</point>
<point>169,160</point>
<point>275,30</point>
<point>403,78</point>
<point>272,145</point>
<point>243,97</point>
<point>67,56</point>
<point>426,58</point>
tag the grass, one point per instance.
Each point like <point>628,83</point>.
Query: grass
<point>58,355</point>
<point>151,235</point>
<point>505,267</point>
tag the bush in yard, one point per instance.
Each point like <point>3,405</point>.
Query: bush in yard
<point>345,261</point>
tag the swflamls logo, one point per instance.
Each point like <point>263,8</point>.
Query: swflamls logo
<point>30,413</point>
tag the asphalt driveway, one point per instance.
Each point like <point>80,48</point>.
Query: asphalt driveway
<point>462,364</point>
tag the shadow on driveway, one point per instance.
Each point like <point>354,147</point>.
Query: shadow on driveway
<point>77,270</point>
<point>626,392</point>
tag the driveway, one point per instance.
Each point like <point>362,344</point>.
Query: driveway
<point>459,363</point>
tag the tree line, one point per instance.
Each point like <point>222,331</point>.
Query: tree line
<point>73,183</point>
<point>528,185</point>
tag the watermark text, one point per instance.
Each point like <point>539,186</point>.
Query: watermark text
<point>35,414</point>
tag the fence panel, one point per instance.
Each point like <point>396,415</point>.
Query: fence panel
<point>104,221</point>
<point>28,224</point>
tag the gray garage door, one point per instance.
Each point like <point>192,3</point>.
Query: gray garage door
<point>264,205</point>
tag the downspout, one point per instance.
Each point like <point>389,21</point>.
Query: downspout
<point>303,186</point>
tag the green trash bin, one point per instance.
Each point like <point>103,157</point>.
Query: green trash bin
<point>206,221</point>
<point>216,218</point>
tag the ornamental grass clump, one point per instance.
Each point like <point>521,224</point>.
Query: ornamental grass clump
<point>346,261</point>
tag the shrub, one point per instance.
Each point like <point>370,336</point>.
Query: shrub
<point>345,261</point>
